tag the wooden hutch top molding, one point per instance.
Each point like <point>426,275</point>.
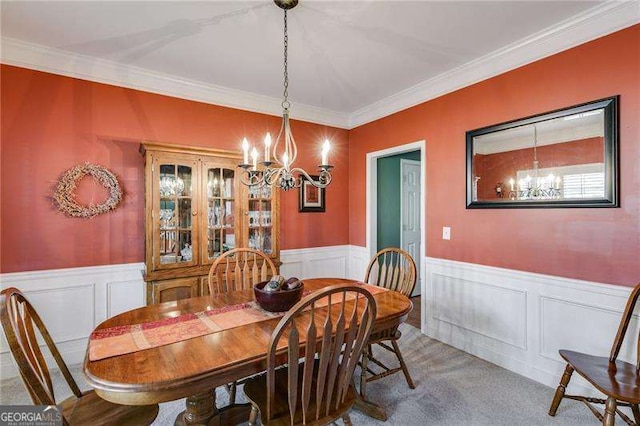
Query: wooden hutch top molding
<point>187,149</point>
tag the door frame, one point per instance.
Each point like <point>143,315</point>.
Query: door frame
<point>372,198</point>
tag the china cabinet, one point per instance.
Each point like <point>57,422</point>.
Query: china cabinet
<point>197,208</point>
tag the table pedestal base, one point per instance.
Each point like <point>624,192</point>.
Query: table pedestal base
<point>202,410</point>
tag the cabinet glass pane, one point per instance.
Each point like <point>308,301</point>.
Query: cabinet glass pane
<point>214,183</point>
<point>261,239</point>
<point>267,244</point>
<point>221,234</point>
<point>184,213</point>
<point>174,213</point>
<point>228,176</point>
<point>168,247</point>
<point>175,180</point>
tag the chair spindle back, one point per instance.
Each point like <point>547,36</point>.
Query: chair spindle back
<point>20,322</point>
<point>239,269</point>
<point>393,269</point>
<point>335,323</point>
<point>624,325</point>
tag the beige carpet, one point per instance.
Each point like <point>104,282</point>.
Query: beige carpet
<point>453,388</point>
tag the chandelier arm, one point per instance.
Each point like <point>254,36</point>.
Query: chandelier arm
<point>294,147</point>
<point>323,182</point>
<point>272,176</point>
<point>277,142</point>
<point>252,178</point>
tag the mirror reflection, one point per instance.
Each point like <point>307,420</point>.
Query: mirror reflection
<point>560,157</point>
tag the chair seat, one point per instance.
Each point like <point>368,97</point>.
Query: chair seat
<point>90,409</point>
<point>254,390</point>
<point>619,380</point>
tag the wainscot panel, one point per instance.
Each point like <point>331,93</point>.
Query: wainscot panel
<point>518,320</point>
<point>72,302</point>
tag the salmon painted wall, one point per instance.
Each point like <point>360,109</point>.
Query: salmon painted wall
<point>502,166</point>
<point>596,244</point>
<point>51,123</point>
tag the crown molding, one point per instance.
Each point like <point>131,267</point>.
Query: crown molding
<point>596,22</point>
<point>56,61</point>
<point>589,25</point>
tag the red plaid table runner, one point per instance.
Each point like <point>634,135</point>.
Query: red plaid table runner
<point>127,339</point>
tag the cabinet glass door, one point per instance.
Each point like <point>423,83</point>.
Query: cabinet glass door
<point>174,215</point>
<point>222,205</point>
<point>260,219</point>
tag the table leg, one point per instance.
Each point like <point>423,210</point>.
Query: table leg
<point>200,409</point>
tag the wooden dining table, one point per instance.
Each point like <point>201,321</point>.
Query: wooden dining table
<point>193,368</point>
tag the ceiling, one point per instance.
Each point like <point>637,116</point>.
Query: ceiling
<point>343,56</point>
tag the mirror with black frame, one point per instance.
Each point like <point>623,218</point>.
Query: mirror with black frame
<point>563,158</point>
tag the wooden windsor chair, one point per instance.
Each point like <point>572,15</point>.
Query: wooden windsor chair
<point>318,390</point>
<point>618,380</point>
<point>20,322</point>
<point>393,269</point>
<point>239,269</point>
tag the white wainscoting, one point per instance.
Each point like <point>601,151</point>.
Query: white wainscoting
<point>72,302</point>
<point>343,261</point>
<point>519,320</point>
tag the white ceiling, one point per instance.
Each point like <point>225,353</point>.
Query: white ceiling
<point>343,56</point>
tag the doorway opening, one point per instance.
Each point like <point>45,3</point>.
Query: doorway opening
<point>396,202</point>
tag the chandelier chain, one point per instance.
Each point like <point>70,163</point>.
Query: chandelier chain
<point>285,102</point>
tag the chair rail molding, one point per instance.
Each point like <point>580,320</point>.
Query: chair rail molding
<point>519,320</point>
<point>73,301</point>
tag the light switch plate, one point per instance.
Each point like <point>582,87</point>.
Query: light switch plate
<point>446,233</point>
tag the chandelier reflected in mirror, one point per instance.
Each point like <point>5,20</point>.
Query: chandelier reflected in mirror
<point>536,187</point>
<point>276,169</point>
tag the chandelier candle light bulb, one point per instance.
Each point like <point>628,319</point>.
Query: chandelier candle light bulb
<point>267,148</point>
<point>245,150</point>
<point>325,152</point>
<point>254,157</point>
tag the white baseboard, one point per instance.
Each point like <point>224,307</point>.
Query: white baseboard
<point>519,320</point>
<point>73,301</point>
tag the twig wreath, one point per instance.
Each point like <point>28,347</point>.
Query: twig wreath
<point>65,197</point>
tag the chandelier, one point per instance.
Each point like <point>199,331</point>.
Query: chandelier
<point>536,187</point>
<point>280,172</point>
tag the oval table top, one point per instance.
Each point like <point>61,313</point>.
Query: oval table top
<point>180,369</point>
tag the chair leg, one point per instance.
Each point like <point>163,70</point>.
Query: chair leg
<point>405,370</point>
<point>253,416</point>
<point>562,387</point>
<point>347,420</point>
<point>610,412</point>
<point>232,393</point>
<point>636,413</point>
<point>363,373</point>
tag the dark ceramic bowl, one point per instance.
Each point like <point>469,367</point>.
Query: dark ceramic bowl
<point>277,301</point>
